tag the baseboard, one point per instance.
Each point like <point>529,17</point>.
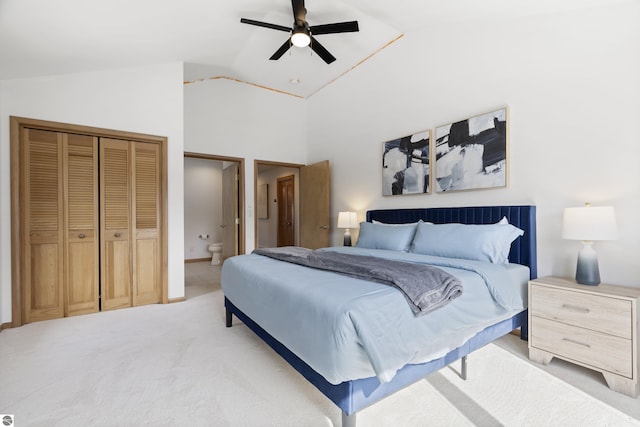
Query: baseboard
<point>187,261</point>
<point>4,326</point>
<point>179,299</point>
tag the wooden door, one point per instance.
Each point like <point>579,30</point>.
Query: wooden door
<point>230,221</point>
<point>115,227</point>
<point>61,263</point>
<point>286,211</point>
<point>42,218</point>
<point>80,156</point>
<point>314,205</point>
<point>146,223</point>
<point>72,231</point>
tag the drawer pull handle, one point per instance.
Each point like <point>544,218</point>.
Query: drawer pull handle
<point>575,308</point>
<point>576,342</point>
<point>116,235</point>
<point>81,236</point>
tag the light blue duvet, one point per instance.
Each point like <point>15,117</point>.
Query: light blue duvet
<point>347,328</point>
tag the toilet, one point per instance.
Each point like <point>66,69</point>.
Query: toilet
<point>216,252</point>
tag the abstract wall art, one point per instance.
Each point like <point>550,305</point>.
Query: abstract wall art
<point>405,165</point>
<point>472,153</point>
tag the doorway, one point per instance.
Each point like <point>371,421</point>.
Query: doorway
<point>310,205</point>
<point>214,206</point>
<point>268,176</point>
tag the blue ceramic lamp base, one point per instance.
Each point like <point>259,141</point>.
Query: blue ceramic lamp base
<point>347,238</point>
<point>587,271</point>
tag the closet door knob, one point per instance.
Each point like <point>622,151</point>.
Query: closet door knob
<point>117,235</point>
<point>81,236</point>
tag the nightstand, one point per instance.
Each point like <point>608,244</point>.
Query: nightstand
<point>592,326</point>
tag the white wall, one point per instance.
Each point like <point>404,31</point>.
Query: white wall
<point>202,206</point>
<point>570,81</point>
<point>571,84</point>
<point>142,99</point>
<point>228,118</point>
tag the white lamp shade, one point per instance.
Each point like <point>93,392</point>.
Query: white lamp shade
<point>589,223</point>
<point>347,220</point>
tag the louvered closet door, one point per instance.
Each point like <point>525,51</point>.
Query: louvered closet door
<point>115,227</point>
<point>146,223</point>
<point>42,210</point>
<point>80,153</point>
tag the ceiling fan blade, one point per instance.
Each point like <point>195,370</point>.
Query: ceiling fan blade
<point>299,12</point>
<point>338,27</point>
<point>321,51</point>
<point>265,25</point>
<point>281,50</point>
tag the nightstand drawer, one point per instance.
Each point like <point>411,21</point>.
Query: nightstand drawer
<point>602,351</point>
<point>599,313</point>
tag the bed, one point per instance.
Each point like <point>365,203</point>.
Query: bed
<point>269,296</point>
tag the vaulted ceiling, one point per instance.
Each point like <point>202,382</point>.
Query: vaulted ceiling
<point>49,37</point>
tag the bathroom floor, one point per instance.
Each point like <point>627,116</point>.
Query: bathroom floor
<point>201,278</point>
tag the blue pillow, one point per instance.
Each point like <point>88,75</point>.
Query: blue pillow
<point>396,237</point>
<point>481,242</point>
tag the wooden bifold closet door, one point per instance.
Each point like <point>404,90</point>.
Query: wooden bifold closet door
<point>115,223</point>
<point>60,253</point>
<point>130,223</point>
<point>91,216</point>
<point>146,224</point>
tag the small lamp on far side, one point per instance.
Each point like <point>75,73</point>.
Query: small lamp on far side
<point>588,224</point>
<point>347,220</point>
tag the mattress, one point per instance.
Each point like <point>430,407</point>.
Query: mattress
<point>348,329</point>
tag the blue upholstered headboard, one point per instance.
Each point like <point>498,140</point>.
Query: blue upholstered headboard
<point>523,249</point>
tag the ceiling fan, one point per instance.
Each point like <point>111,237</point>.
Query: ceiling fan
<point>301,34</point>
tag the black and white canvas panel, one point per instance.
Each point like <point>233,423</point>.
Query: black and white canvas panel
<point>472,153</point>
<point>405,165</point>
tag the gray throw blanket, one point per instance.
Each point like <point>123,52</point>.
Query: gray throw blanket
<point>425,287</point>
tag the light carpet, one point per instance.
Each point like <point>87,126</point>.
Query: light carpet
<point>178,365</point>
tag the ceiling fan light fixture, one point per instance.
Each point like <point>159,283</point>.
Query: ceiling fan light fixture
<point>300,37</point>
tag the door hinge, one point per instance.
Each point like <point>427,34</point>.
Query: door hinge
<point>237,221</point>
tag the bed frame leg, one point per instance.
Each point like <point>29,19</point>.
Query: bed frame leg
<point>348,420</point>
<point>229,317</point>
<point>463,368</point>
<point>524,331</point>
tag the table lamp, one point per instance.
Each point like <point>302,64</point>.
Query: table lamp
<point>347,220</point>
<point>589,223</point>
